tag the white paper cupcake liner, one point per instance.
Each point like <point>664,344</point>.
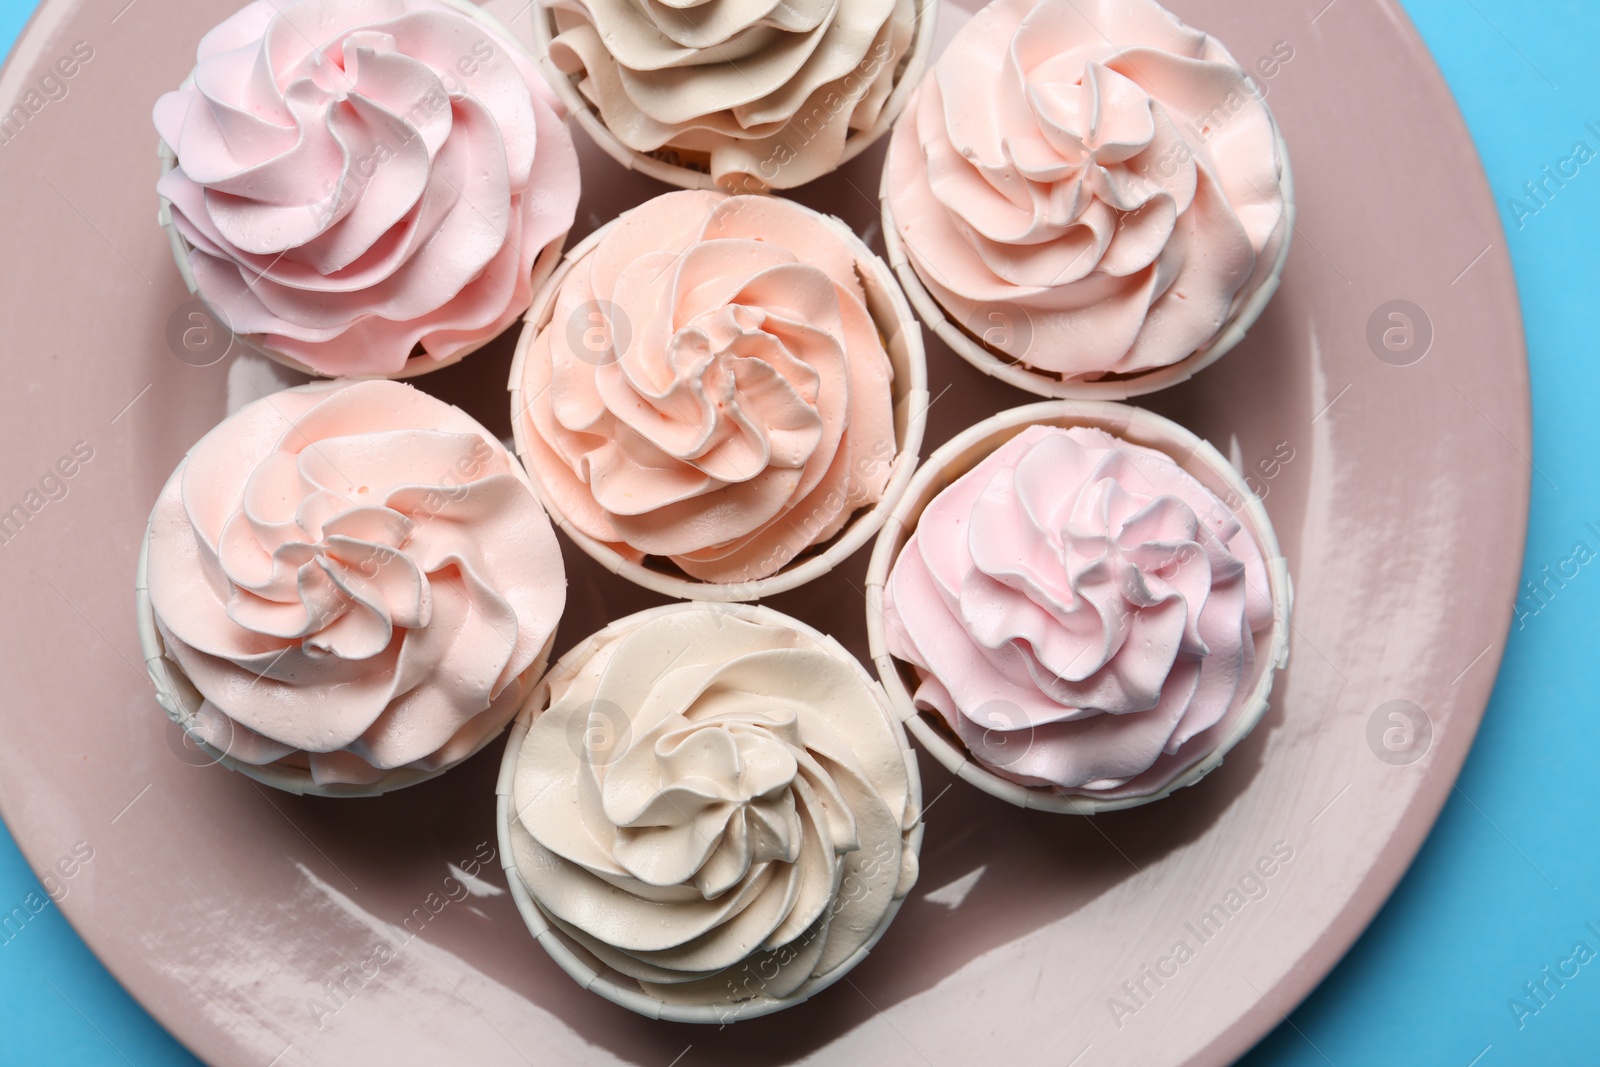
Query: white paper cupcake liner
<point>582,966</point>
<point>1020,374</point>
<point>543,263</point>
<point>181,701</point>
<point>903,341</point>
<point>966,450</point>
<point>676,174</point>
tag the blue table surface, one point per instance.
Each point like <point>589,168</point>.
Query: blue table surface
<point>1510,876</point>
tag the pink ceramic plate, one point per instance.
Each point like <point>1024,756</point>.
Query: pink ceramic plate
<point>263,928</point>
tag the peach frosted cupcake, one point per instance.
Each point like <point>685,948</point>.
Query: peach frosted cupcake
<point>347,588</point>
<point>720,397</point>
<point>1105,218</point>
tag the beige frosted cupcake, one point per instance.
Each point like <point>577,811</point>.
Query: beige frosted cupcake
<point>1078,606</point>
<point>347,588</point>
<point>369,190</point>
<point>720,397</point>
<point>740,96</point>
<point>1103,219</point>
<point>708,813</point>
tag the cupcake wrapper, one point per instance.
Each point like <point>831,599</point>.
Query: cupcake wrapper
<point>961,454</point>
<point>887,305</point>
<point>1024,377</point>
<point>543,263</point>
<point>682,177</point>
<point>589,972</point>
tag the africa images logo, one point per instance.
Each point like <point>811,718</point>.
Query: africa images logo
<point>1138,992</point>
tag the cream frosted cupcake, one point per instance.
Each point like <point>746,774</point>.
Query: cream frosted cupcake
<point>1079,606</point>
<point>741,95</point>
<point>720,397</point>
<point>364,188</point>
<point>347,588</point>
<point>710,812</point>
<point>1107,217</point>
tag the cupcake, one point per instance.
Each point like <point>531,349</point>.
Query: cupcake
<point>346,588</point>
<point>709,814</point>
<point>1078,607</point>
<point>732,95</point>
<point>1107,217</point>
<point>365,188</point>
<point>720,397</point>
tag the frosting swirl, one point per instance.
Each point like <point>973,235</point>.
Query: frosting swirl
<point>355,580</point>
<point>1080,611</point>
<point>714,807</point>
<point>711,387</point>
<point>760,94</point>
<point>1119,184</point>
<point>363,180</point>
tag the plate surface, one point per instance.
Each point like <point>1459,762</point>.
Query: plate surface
<point>245,921</point>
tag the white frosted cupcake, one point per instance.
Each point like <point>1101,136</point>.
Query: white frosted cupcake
<point>720,397</point>
<point>1078,606</point>
<point>1106,216</point>
<point>346,588</point>
<point>365,189</point>
<point>733,94</point>
<point>711,813</point>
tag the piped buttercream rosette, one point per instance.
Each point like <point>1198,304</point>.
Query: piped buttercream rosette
<point>364,188</point>
<point>741,95</point>
<point>712,812</point>
<point>348,588</point>
<point>719,396</point>
<point>1107,216</point>
<point>1088,609</point>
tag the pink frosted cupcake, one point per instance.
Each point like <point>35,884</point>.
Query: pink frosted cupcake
<point>365,188</point>
<point>347,588</point>
<point>1103,217</point>
<point>1078,606</point>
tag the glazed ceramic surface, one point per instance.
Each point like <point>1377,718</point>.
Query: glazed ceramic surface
<point>263,928</point>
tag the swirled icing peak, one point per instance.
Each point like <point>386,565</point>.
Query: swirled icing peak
<point>355,579</point>
<point>1118,184</point>
<point>759,94</point>
<point>1080,611</point>
<point>714,807</point>
<point>711,388</point>
<point>364,181</point>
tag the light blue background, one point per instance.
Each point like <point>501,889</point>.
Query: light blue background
<point>1511,873</point>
